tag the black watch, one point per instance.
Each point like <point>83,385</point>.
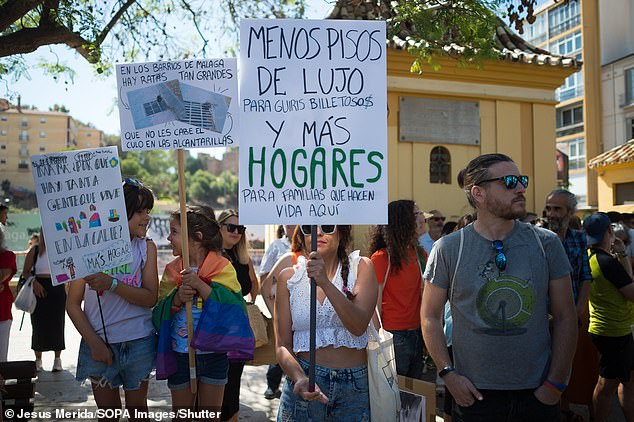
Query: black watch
<point>445,371</point>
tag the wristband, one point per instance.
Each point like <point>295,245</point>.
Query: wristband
<point>559,388</point>
<point>445,371</point>
<point>114,284</point>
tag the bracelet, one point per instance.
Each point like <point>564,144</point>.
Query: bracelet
<point>558,388</point>
<point>114,284</point>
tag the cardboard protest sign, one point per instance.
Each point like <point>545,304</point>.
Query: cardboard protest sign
<point>179,104</point>
<point>313,103</point>
<point>83,213</point>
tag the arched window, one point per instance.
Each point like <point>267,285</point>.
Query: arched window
<point>440,165</point>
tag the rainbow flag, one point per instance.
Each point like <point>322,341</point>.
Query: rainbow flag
<point>223,326</point>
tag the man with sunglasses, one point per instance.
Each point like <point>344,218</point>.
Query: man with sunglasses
<point>503,278</point>
<point>435,224</point>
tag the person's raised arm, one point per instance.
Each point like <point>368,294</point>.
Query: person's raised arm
<point>268,283</point>
<point>355,313</point>
<point>145,295</point>
<point>431,316</point>
<point>284,340</point>
<point>98,348</point>
<point>564,337</point>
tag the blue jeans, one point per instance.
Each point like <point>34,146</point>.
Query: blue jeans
<point>132,362</point>
<point>507,406</point>
<point>408,350</point>
<point>347,391</point>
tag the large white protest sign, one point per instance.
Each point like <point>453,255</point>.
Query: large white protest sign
<point>313,122</point>
<point>179,104</point>
<point>83,213</point>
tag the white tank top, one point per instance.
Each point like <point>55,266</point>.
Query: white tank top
<point>123,320</point>
<point>41,265</point>
<point>330,330</point>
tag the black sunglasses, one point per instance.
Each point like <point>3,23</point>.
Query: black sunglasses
<point>437,219</point>
<point>325,228</point>
<point>500,258</point>
<point>510,181</point>
<point>232,228</point>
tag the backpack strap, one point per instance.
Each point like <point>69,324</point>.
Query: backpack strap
<point>455,271</point>
<point>539,240</point>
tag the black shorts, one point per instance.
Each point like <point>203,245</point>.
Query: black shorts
<point>616,356</point>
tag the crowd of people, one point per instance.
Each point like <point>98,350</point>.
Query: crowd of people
<point>522,315</point>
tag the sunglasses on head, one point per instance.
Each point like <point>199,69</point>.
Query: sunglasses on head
<point>232,228</point>
<point>510,181</point>
<point>500,258</point>
<point>325,229</point>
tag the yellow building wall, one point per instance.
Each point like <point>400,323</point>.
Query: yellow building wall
<point>40,133</point>
<point>607,178</point>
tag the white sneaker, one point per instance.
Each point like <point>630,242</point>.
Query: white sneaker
<point>57,365</point>
<point>38,365</point>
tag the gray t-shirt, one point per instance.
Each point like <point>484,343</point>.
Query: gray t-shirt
<point>501,339</point>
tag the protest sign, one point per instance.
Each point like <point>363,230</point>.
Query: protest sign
<point>83,212</point>
<point>178,104</point>
<point>313,104</point>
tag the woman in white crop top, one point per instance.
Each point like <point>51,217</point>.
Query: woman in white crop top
<point>346,295</point>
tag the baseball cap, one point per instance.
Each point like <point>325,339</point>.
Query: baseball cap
<point>595,226</point>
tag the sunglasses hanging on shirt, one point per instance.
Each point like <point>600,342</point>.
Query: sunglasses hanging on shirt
<point>500,257</point>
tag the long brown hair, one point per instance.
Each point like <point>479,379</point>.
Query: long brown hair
<point>399,235</point>
<point>201,218</point>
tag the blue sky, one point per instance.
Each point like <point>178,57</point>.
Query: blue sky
<point>90,98</point>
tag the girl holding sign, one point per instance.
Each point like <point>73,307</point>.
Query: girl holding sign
<point>346,294</point>
<point>118,345</point>
<point>218,308</point>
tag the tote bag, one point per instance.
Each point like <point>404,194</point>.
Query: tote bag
<point>258,325</point>
<point>385,397</point>
<point>25,299</point>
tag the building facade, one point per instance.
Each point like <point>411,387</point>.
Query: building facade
<point>558,28</point>
<point>441,120</point>
<point>24,133</point>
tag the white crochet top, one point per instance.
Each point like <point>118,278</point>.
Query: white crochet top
<point>330,330</point>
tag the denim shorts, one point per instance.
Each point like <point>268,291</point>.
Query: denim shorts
<point>211,368</point>
<point>132,363</point>
<point>347,391</point>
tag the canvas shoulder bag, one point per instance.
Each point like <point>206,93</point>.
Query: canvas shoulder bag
<point>385,396</point>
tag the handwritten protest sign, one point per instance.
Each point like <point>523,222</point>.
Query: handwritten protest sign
<point>314,127</point>
<point>84,219</point>
<point>178,104</point>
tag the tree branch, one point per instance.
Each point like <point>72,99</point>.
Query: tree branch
<point>115,19</point>
<point>28,40</point>
<point>13,10</point>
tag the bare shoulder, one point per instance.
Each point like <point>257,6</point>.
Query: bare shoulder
<point>285,275</point>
